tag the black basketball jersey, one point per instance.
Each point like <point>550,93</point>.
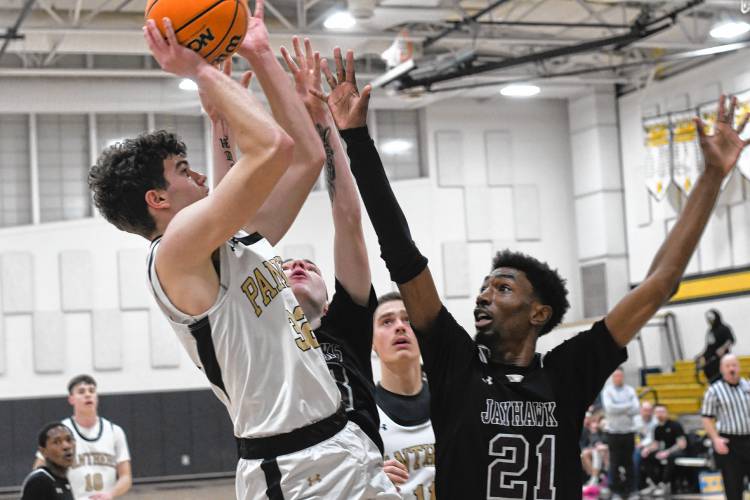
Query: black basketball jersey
<point>345,337</point>
<point>508,432</point>
<point>42,484</point>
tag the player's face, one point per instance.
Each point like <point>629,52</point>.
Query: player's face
<point>60,447</point>
<point>84,398</point>
<point>392,335</point>
<point>306,281</point>
<point>506,305</point>
<point>185,186</point>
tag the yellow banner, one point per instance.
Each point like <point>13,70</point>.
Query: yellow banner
<point>715,286</point>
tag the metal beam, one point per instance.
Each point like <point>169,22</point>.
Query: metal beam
<point>465,21</point>
<point>550,24</point>
<point>12,31</point>
<point>279,16</point>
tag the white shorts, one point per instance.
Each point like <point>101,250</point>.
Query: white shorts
<point>345,466</point>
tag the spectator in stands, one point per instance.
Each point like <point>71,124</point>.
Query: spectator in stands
<point>669,443</point>
<point>594,451</point>
<point>726,418</point>
<point>620,405</point>
<point>645,423</point>
<point>719,341</point>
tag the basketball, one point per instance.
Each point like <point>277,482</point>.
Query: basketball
<point>212,28</point>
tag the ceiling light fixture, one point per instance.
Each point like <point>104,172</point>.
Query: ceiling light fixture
<point>729,30</point>
<point>396,146</point>
<point>188,84</point>
<point>341,20</point>
<point>519,90</point>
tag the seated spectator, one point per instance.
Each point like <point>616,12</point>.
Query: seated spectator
<point>594,452</point>
<point>669,443</point>
<point>645,423</point>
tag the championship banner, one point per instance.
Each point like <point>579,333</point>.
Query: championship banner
<point>743,108</point>
<point>709,113</point>
<point>657,161</point>
<point>686,159</point>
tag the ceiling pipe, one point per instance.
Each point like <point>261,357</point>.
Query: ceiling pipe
<point>12,32</point>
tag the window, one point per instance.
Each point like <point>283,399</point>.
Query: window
<point>398,139</point>
<point>191,131</point>
<point>63,143</point>
<point>15,208</point>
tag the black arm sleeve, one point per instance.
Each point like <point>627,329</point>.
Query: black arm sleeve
<point>397,249</point>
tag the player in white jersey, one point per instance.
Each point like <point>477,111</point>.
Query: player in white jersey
<point>101,467</point>
<point>403,399</point>
<point>223,290</point>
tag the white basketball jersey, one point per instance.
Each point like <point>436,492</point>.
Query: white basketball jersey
<point>413,446</point>
<point>98,451</point>
<point>254,344</point>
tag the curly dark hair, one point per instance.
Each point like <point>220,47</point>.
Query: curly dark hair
<point>124,173</point>
<point>548,286</point>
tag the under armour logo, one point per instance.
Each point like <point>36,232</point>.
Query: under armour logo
<point>487,380</point>
<point>383,427</point>
<point>313,479</point>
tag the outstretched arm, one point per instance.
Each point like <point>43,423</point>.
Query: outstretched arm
<point>721,152</point>
<point>275,218</point>
<point>349,251</point>
<point>408,268</point>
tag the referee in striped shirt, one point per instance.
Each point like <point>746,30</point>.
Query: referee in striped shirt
<point>726,418</point>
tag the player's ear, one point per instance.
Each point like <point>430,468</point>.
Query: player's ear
<point>156,198</point>
<point>540,314</point>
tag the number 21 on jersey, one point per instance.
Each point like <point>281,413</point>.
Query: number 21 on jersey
<point>512,461</point>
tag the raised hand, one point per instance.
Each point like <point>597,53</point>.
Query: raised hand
<point>306,73</point>
<point>347,105</point>
<point>722,149</point>
<point>256,38</point>
<point>171,56</point>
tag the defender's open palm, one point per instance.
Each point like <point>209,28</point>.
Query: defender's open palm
<point>306,73</point>
<point>722,149</point>
<point>256,38</point>
<point>347,105</point>
<point>171,56</point>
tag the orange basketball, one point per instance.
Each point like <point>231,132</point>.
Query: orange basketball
<point>212,28</point>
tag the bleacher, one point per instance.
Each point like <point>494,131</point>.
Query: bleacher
<point>682,390</point>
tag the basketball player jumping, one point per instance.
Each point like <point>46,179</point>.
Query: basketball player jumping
<point>101,468</point>
<point>507,421</point>
<point>224,292</point>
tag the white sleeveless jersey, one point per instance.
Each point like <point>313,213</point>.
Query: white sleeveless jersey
<point>254,344</point>
<point>98,451</point>
<point>413,446</point>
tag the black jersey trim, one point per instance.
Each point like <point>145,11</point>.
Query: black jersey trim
<point>78,431</point>
<point>201,332</point>
<point>250,239</point>
<point>273,479</point>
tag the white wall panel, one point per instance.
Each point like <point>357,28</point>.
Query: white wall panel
<point>733,192</point>
<point>3,349</point>
<point>165,348</point>
<point>526,212</point>
<point>299,252</point>
<point>456,269</point>
<point>716,244</point>
<point>478,210</point>
<point>740,220</point>
<point>107,344</point>
<point>499,157</point>
<point>17,282</point>
<point>449,154</point>
<point>501,216</point>
<point>76,280</point>
<point>49,342</point>
<point>131,265</point>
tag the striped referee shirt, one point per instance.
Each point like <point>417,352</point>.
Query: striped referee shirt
<point>730,406</point>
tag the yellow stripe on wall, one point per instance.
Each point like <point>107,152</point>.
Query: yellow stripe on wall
<point>698,288</point>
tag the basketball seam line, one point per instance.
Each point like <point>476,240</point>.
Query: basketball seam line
<point>229,29</point>
<point>197,16</point>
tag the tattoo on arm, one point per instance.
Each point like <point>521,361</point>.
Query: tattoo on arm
<point>227,148</point>
<point>325,136</point>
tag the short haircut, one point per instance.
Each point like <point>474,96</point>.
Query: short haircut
<point>548,286</point>
<point>125,172</point>
<point>661,405</point>
<point>42,437</point>
<point>388,297</point>
<point>80,379</point>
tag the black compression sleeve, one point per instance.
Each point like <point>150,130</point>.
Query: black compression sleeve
<point>401,256</point>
